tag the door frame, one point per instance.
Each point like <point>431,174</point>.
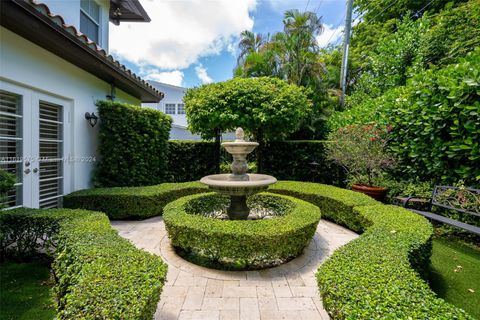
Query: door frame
<point>30,103</point>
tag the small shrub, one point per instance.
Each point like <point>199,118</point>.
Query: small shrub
<point>133,143</point>
<point>361,150</point>
<point>98,274</point>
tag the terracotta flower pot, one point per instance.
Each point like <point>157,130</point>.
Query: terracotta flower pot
<point>377,193</point>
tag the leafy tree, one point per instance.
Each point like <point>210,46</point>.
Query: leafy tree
<point>266,108</point>
<point>292,55</point>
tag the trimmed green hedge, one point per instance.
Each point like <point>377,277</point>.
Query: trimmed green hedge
<point>131,202</point>
<point>290,160</point>
<point>98,274</point>
<point>244,244</point>
<point>376,276</point>
<point>133,144</point>
<point>190,160</point>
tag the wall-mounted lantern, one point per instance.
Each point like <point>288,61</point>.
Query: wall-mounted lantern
<point>92,118</point>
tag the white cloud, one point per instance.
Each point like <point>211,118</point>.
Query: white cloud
<point>174,77</point>
<point>329,35</point>
<point>181,31</point>
<point>202,74</point>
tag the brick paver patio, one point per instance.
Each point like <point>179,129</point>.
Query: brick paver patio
<point>193,292</point>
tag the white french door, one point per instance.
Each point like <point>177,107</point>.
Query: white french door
<point>32,146</point>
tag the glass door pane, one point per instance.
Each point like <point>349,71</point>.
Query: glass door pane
<point>50,155</point>
<point>11,141</point>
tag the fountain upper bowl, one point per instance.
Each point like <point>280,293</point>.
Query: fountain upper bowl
<point>239,147</point>
<point>223,183</point>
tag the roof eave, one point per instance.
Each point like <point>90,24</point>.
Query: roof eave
<point>23,19</point>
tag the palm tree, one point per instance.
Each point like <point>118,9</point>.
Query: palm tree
<point>249,42</point>
<point>299,44</point>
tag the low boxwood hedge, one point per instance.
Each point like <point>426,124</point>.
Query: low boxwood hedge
<point>131,202</point>
<point>98,274</point>
<point>247,244</point>
<point>378,275</point>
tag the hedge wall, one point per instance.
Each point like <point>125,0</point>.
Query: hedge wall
<point>133,143</point>
<point>286,160</point>
<point>190,160</point>
<point>98,274</point>
<point>291,160</point>
<point>131,202</point>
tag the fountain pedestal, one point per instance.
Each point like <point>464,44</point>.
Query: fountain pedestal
<point>239,184</point>
<point>238,209</point>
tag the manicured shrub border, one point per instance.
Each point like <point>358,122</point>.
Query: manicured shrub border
<point>242,244</point>
<point>98,274</point>
<point>131,202</point>
<point>376,276</point>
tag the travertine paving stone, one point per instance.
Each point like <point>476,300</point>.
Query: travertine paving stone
<point>192,292</point>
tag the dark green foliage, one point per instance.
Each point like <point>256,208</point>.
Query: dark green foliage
<point>386,55</point>
<point>245,244</point>
<point>286,160</point>
<point>7,180</point>
<point>133,202</point>
<point>190,160</point>
<point>291,160</point>
<point>132,145</point>
<point>377,275</point>
<point>435,122</point>
<point>98,274</point>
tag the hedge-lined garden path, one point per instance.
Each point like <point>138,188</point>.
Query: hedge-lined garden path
<point>192,292</point>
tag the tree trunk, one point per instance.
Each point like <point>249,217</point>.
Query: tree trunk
<point>216,151</point>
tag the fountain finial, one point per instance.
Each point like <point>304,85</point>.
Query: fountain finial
<point>239,134</point>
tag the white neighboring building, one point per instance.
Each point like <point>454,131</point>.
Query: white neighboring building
<point>51,74</point>
<point>172,104</point>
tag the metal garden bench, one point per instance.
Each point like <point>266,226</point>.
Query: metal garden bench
<point>462,200</point>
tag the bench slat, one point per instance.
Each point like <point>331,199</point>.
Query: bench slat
<point>449,221</point>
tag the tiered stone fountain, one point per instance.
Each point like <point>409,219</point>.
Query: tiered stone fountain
<point>239,184</point>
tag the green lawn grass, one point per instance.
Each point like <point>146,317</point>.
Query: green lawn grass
<point>25,292</point>
<point>455,273</point>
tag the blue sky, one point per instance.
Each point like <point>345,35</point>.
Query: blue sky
<point>192,42</point>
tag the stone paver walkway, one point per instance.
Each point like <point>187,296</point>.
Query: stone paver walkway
<point>193,292</point>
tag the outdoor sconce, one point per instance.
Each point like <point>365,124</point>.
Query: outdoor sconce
<point>92,118</point>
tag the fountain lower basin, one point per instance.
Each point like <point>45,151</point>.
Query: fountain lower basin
<point>224,183</point>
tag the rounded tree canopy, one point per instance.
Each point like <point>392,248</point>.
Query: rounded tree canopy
<point>264,106</point>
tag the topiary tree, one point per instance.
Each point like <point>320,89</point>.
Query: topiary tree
<point>266,108</point>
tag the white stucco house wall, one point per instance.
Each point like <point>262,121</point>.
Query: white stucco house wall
<point>173,105</point>
<point>51,74</point>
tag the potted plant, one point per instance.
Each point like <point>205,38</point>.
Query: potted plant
<point>361,151</point>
